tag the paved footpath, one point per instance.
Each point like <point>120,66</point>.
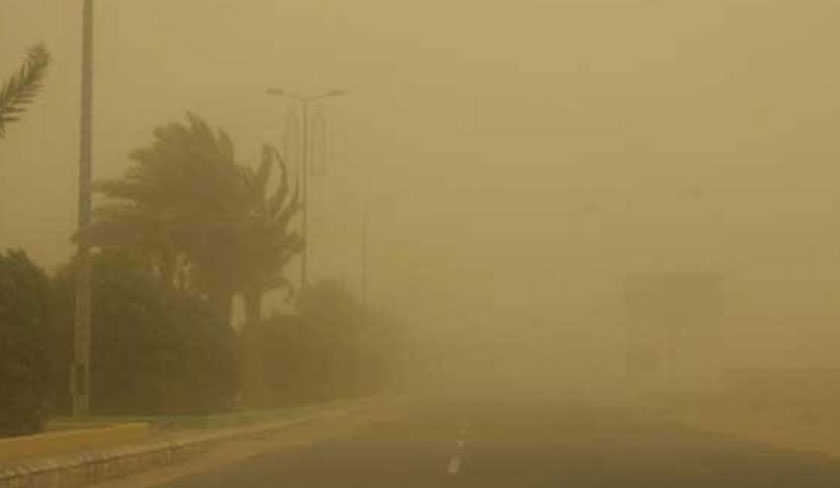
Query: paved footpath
<point>517,444</point>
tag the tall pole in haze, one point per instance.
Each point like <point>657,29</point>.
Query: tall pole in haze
<point>305,190</point>
<point>364,255</point>
<point>80,381</point>
<point>305,109</point>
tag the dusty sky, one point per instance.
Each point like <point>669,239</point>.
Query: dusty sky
<point>520,157</point>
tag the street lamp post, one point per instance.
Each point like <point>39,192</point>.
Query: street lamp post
<point>80,375</point>
<point>365,255</point>
<point>305,102</point>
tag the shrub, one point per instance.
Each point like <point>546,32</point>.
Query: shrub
<point>332,349</point>
<point>24,306</point>
<point>154,349</point>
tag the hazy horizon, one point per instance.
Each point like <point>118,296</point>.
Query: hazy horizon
<point>520,159</point>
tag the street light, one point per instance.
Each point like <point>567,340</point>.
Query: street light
<point>364,254</point>
<point>285,93</point>
<point>305,102</point>
<point>80,376</point>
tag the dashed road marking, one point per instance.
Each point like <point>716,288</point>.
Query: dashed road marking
<point>454,465</point>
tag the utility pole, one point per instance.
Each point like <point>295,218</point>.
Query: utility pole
<point>305,109</point>
<point>364,255</point>
<point>80,380</point>
<point>305,190</point>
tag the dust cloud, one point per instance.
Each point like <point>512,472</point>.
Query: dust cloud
<point>523,165</point>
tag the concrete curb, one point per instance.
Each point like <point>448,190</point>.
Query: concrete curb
<point>55,443</point>
<point>97,466</point>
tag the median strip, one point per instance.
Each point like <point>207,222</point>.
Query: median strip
<point>85,468</point>
<point>53,443</point>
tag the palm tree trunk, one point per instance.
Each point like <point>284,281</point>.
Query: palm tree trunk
<point>221,301</point>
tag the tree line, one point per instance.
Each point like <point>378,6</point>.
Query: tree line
<point>160,350</point>
<point>184,230</point>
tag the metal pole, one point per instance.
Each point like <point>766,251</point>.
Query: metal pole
<point>305,190</point>
<point>80,381</point>
<point>305,101</point>
<point>364,255</point>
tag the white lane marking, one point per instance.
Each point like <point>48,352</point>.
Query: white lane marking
<point>454,465</point>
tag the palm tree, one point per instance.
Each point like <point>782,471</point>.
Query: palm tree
<point>202,221</point>
<point>21,89</point>
<point>205,223</point>
<point>266,247</point>
<point>177,204</point>
<point>267,243</point>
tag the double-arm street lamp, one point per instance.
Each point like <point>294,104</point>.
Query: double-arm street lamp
<point>305,102</point>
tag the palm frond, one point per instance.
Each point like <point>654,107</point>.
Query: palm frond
<point>21,89</point>
<point>278,199</point>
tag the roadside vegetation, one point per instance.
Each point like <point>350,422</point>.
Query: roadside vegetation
<point>20,89</point>
<point>184,231</point>
<point>24,336</point>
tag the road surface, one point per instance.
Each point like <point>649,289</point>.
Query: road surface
<point>516,444</point>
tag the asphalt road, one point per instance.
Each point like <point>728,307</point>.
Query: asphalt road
<point>517,444</point>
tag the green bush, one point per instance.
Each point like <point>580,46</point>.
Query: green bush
<point>24,306</point>
<point>332,349</point>
<point>154,349</point>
